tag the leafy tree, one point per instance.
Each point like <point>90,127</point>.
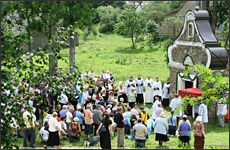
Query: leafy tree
<point>152,32</point>
<point>108,16</point>
<point>71,13</point>
<point>129,24</point>
<point>214,87</point>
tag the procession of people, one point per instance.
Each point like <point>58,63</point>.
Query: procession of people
<point>100,109</point>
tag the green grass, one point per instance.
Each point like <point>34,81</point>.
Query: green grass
<point>114,53</point>
<point>216,138</point>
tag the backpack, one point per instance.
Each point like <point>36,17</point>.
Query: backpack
<point>74,129</point>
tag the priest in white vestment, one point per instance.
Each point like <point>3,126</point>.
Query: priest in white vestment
<point>149,90</point>
<point>157,88</point>
<point>174,104</point>
<point>154,107</point>
<point>166,88</point>
<point>139,82</point>
<point>129,84</point>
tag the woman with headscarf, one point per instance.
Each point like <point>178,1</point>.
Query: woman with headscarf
<point>75,130</point>
<point>160,128</point>
<point>121,92</point>
<point>199,134</point>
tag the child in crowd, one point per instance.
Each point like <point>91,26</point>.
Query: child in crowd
<point>44,133</point>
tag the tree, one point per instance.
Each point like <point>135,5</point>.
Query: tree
<point>214,87</point>
<point>152,32</point>
<point>129,24</point>
<point>71,13</point>
<point>108,16</point>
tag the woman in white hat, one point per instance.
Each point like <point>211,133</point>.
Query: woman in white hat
<point>160,128</point>
<point>199,133</point>
<point>75,130</point>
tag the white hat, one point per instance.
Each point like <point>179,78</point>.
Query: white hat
<point>78,107</point>
<point>162,114</point>
<point>109,105</point>
<point>107,70</point>
<point>75,119</point>
<point>184,116</point>
<point>48,116</point>
<point>121,99</point>
<point>199,118</point>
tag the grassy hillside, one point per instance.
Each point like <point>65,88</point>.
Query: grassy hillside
<point>114,53</point>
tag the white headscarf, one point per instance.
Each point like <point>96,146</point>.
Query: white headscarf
<point>121,82</point>
<point>199,118</point>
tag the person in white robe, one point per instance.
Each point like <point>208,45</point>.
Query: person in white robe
<point>203,111</point>
<point>121,92</point>
<point>154,107</point>
<point>157,88</point>
<point>129,84</point>
<point>221,111</point>
<point>148,90</point>
<point>174,104</point>
<point>166,88</point>
<point>139,82</point>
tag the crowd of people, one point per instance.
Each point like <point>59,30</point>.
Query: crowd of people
<point>102,110</point>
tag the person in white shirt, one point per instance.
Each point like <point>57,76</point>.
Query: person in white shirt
<point>103,75</point>
<point>92,74</point>
<point>44,133</point>
<point>174,104</point>
<point>69,119</point>
<point>139,82</point>
<point>166,88</point>
<point>129,84</point>
<point>85,95</point>
<point>63,99</point>
<point>203,111</point>
<point>53,139</point>
<point>221,111</point>
<point>109,108</point>
<point>134,111</point>
<point>107,75</point>
<point>157,88</point>
<point>86,74</point>
<point>148,90</point>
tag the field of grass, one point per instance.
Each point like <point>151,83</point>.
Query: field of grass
<point>114,53</point>
<point>216,138</point>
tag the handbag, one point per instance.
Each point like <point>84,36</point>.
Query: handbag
<point>102,129</point>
